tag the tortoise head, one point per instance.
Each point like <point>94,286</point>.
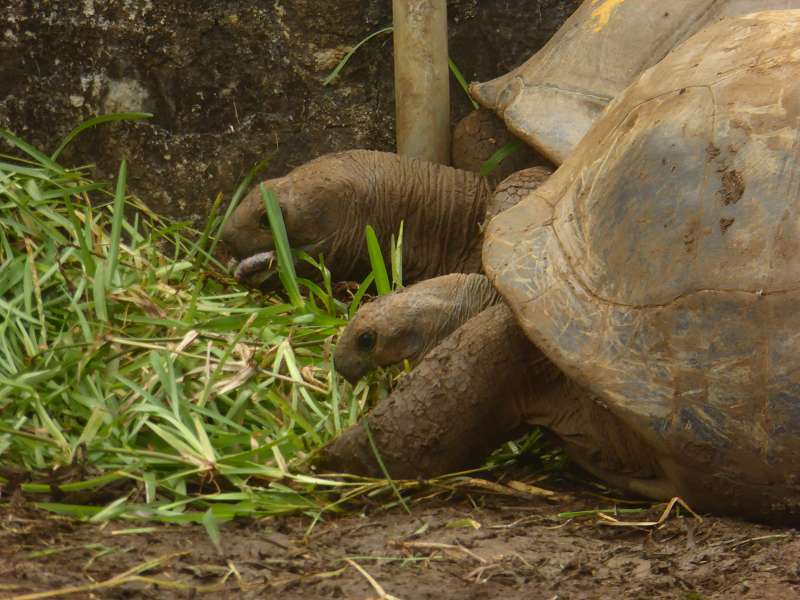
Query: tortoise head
<point>384,332</point>
<point>408,323</point>
<point>318,204</point>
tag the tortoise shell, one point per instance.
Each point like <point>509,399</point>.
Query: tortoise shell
<point>551,100</point>
<point>660,265</point>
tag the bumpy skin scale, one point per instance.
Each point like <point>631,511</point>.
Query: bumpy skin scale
<point>659,266</point>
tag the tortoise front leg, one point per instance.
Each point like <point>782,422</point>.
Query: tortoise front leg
<point>462,401</point>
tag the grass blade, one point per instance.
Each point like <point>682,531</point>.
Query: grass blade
<point>212,215</point>
<point>359,295</point>
<point>128,116</point>
<point>118,214</point>
<point>462,82</point>
<point>38,156</point>
<point>333,74</point>
<point>397,259</point>
<point>377,263</point>
<point>241,189</point>
<point>212,529</point>
<point>382,466</point>
<point>499,156</point>
<point>459,76</point>
<point>285,260</point>
<point>99,292</point>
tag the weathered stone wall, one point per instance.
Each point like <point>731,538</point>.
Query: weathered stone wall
<point>228,81</point>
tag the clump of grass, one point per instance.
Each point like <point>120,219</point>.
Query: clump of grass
<point>137,380</point>
<point>127,357</point>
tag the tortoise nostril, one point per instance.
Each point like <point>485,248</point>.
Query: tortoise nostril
<point>349,364</point>
<point>263,222</point>
<point>352,372</point>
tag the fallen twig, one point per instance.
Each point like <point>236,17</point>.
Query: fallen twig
<point>609,520</point>
<point>375,585</point>
<point>129,576</point>
<point>761,538</point>
<point>441,546</point>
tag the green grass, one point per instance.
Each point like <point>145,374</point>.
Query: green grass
<point>138,380</point>
<point>133,367</point>
<point>380,275</point>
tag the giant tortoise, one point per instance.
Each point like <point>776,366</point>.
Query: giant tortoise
<point>652,292</point>
<point>550,102</point>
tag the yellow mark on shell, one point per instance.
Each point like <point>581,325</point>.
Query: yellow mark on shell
<point>602,14</point>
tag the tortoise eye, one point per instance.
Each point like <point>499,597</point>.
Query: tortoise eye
<point>366,340</point>
<point>263,222</point>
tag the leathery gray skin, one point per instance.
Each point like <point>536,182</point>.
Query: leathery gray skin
<point>327,203</point>
<point>407,324</point>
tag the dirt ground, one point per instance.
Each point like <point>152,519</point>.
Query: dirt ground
<point>471,546</point>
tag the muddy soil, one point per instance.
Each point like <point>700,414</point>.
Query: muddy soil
<point>471,546</point>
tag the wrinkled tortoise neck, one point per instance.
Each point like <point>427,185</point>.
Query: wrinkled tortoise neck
<point>441,208</point>
<point>461,296</point>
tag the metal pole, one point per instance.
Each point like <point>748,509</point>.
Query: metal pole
<point>421,79</point>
